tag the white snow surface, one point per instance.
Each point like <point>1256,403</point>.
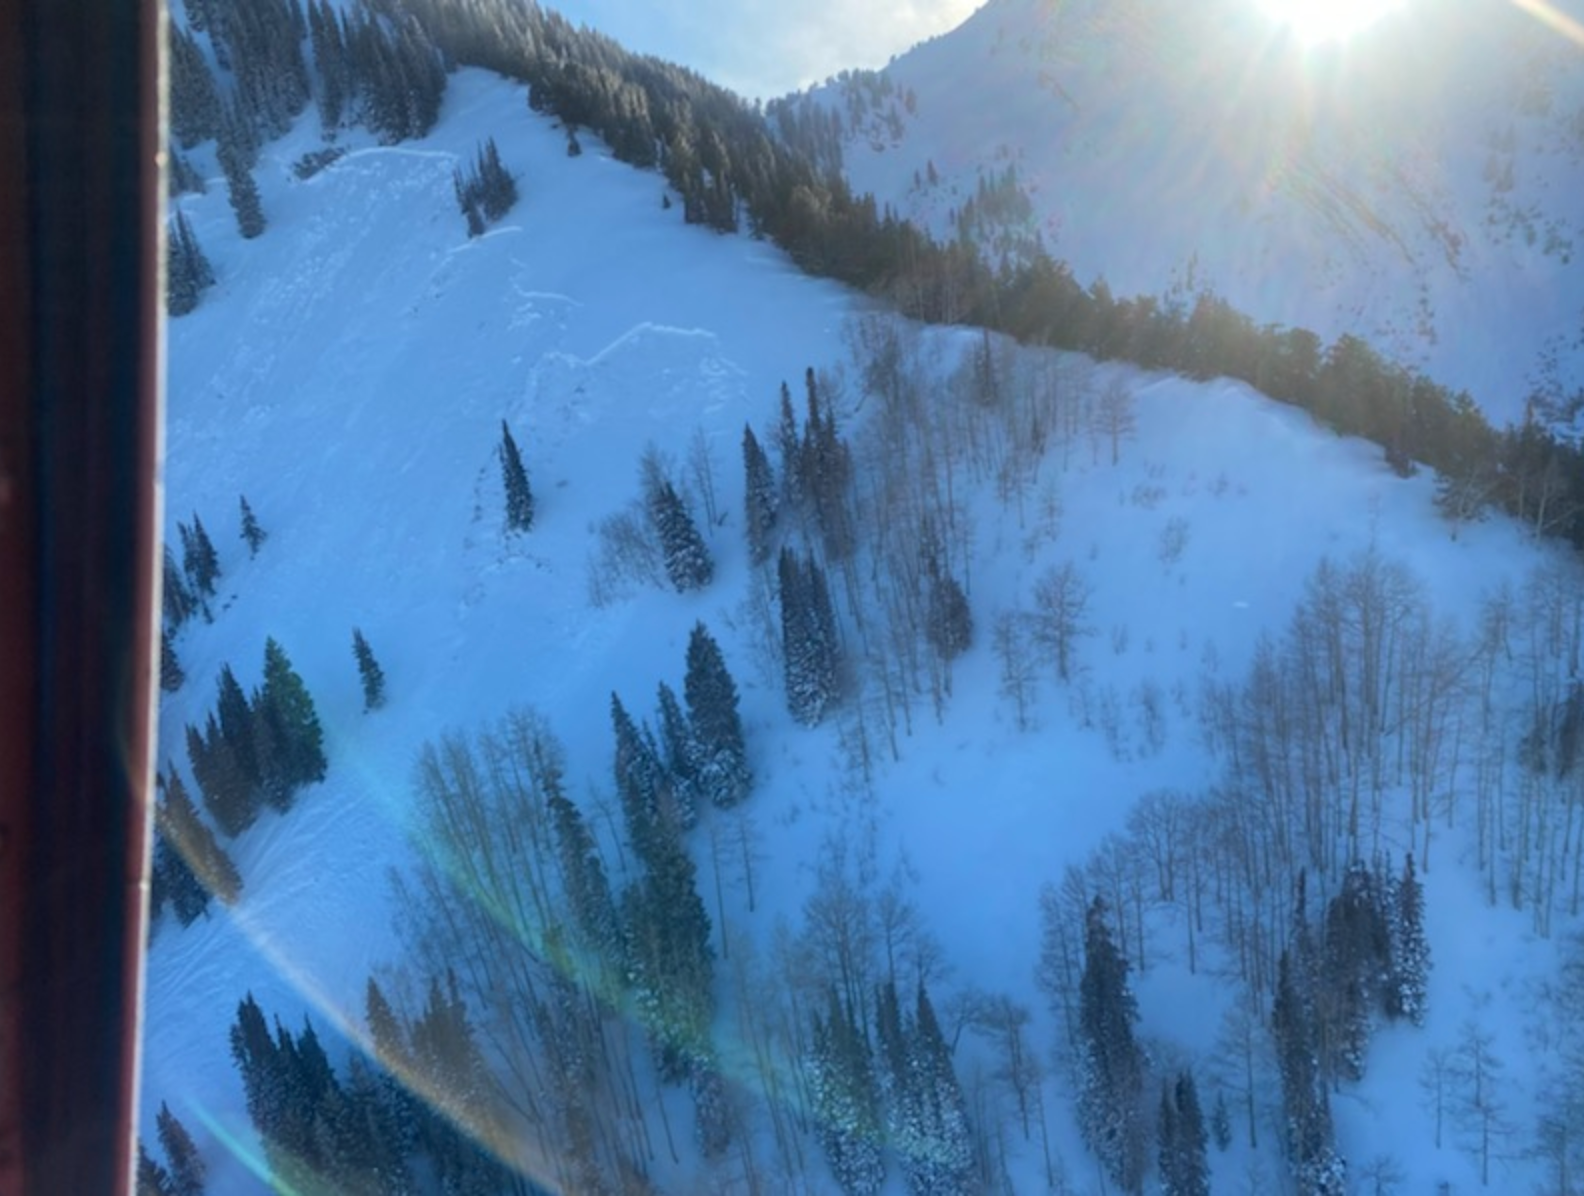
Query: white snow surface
<point>349,373</point>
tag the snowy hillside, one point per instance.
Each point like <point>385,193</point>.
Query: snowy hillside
<point>348,374</point>
<point>1410,185</point>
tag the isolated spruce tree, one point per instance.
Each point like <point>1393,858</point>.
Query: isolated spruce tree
<point>369,671</point>
<point>252,533</point>
<point>1111,1066</point>
<point>519,498</point>
<point>759,498</point>
<point>687,561</point>
<point>187,1168</point>
<point>711,696</point>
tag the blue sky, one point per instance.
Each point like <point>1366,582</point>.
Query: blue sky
<point>765,48</point>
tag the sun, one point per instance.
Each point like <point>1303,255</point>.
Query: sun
<point>1327,20</point>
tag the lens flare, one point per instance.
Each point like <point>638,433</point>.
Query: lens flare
<point>1327,20</point>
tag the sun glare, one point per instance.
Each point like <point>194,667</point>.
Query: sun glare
<point>1327,20</point>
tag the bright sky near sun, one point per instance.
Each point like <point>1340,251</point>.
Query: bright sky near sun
<point>767,48</point>
<point>1327,20</point>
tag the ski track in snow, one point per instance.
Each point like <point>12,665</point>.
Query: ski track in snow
<point>349,374</point>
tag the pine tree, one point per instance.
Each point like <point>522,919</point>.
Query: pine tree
<point>286,709</point>
<point>199,558</point>
<point>519,498</point>
<point>236,727</point>
<point>789,446</point>
<point>186,832</point>
<point>242,191</point>
<point>716,727</point>
<point>152,1179</point>
<point>229,794</point>
<point>683,752</point>
<point>178,601</point>
<point>1185,1169</point>
<point>937,1154</point>
<point>187,271</point>
<point>583,878</point>
<point>808,638</point>
<point>759,498</point>
<point>171,675</point>
<point>369,671</point>
<point>846,1101</point>
<point>687,560</point>
<point>182,178</point>
<point>1407,987</point>
<point>252,533</point>
<point>949,622</point>
<point>194,100</point>
<point>1110,1108</point>
<point>1354,961</point>
<point>1316,1168</point>
<point>187,1168</point>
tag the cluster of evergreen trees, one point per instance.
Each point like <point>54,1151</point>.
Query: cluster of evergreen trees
<point>259,750</point>
<point>485,192</point>
<point>810,639</point>
<point>367,1134</point>
<point>903,1092</point>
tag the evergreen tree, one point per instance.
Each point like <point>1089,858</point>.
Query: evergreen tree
<point>759,498</point>
<point>846,1101</point>
<point>242,191</point>
<point>1184,1167</point>
<point>1111,1076</point>
<point>670,965</point>
<point>519,498</point>
<point>789,446</point>
<point>808,638</point>
<point>1355,958</point>
<point>171,674</point>
<point>648,803</point>
<point>687,560</point>
<point>184,830</point>
<point>583,879</point>
<point>825,472</point>
<point>949,622</point>
<point>229,794</point>
<point>1221,1122</point>
<point>173,882</point>
<point>187,1168</point>
<point>683,752</point>
<point>178,601</point>
<point>199,558</point>
<point>182,178</point>
<point>716,727</point>
<point>237,728</point>
<point>937,1148</point>
<point>187,271</point>
<point>369,671</point>
<point>152,1179</point>
<point>252,533</point>
<point>286,711</point>
<point>1407,986</point>
<point>194,100</point>
<point>1317,1169</point>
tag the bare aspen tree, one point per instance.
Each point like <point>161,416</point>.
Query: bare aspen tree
<point>1114,420</point>
<point>1010,641</point>
<point>1061,604</point>
<point>701,467</point>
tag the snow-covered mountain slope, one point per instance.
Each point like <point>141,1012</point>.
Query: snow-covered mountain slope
<point>1413,185</point>
<point>348,375</point>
